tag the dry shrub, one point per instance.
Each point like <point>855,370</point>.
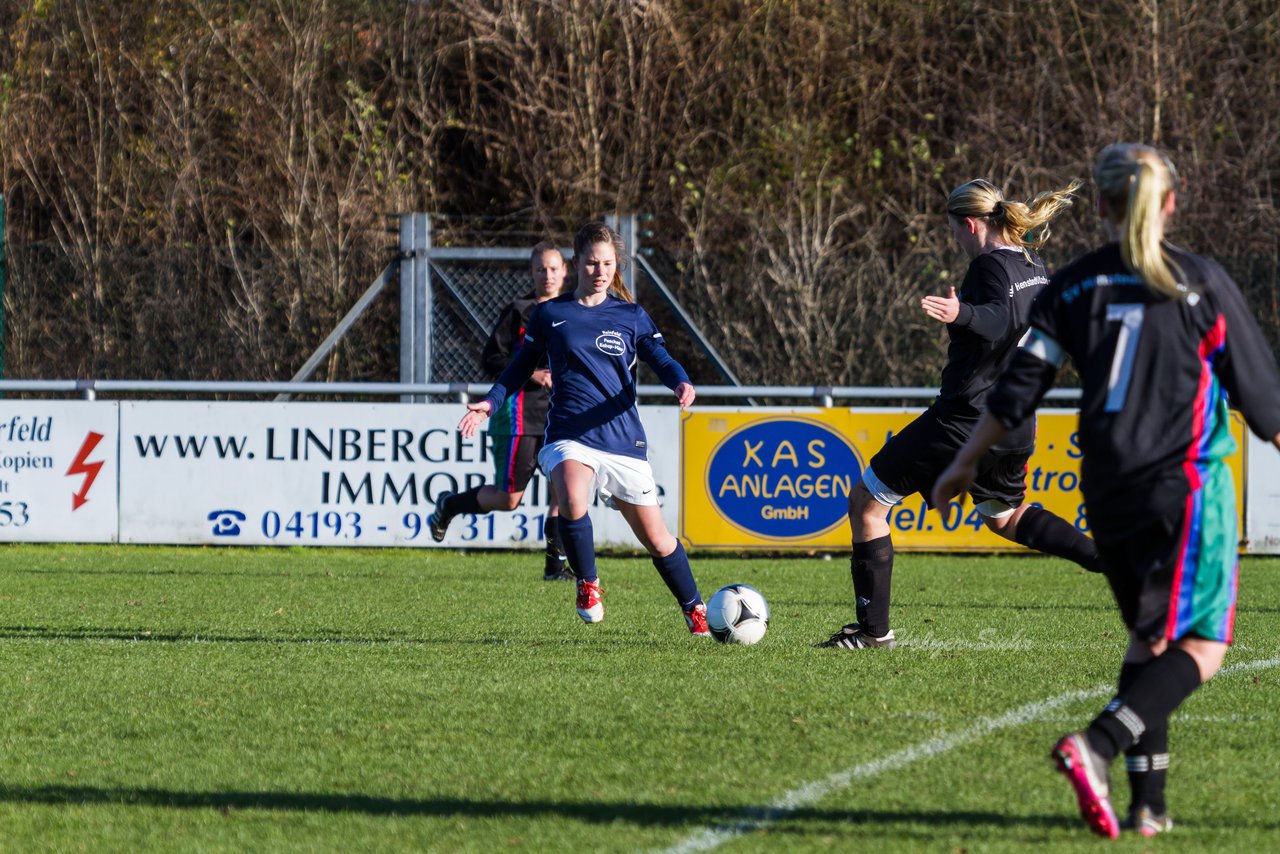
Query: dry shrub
<point>201,188</point>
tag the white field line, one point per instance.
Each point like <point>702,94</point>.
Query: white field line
<point>810,793</point>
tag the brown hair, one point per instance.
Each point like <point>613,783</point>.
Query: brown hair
<point>1135,181</point>
<point>1014,220</point>
<point>598,232</point>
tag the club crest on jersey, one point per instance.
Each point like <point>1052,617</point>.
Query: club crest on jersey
<point>611,342</point>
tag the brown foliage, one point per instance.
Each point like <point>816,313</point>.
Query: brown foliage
<point>199,188</point>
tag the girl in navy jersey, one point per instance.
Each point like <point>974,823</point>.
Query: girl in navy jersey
<point>518,426</point>
<point>984,321</point>
<point>595,442</point>
<point>1161,339</point>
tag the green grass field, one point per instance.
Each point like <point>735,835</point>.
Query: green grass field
<point>270,700</point>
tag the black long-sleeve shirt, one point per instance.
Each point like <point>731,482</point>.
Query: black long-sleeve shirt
<point>1157,374</point>
<point>995,303</point>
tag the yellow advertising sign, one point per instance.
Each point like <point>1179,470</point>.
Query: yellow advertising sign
<point>779,479</point>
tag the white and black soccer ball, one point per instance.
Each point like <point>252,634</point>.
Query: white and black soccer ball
<point>738,614</point>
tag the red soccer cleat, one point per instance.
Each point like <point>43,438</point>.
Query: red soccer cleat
<point>590,608</point>
<point>696,617</point>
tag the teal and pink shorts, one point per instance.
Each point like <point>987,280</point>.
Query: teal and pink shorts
<point>1177,578</point>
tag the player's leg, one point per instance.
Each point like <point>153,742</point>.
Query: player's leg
<point>477,500</point>
<point>999,494</point>
<point>870,567</point>
<point>669,558</point>
<point>504,494</point>
<point>907,463</point>
<point>1147,760</point>
<point>574,485</point>
<point>556,562</point>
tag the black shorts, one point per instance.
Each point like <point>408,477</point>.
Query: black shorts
<point>1176,577</point>
<point>914,457</point>
<point>515,459</point>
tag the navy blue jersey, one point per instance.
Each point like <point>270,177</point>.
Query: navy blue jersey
<point>592,351</point>
<point>1156,375</point>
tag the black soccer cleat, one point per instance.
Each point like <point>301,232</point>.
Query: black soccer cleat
<point>853,637</point>
<point>557,569</point>
<point>439,520</point>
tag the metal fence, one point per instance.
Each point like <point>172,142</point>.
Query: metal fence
<point>451,298</point>
<point>469,296</point>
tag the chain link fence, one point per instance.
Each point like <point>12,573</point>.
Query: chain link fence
<point>469,296</point>
<point>467,300</point>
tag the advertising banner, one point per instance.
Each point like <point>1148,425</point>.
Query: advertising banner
<point>1262,498</point>
<point>58,471</point>
<point>780,479</point>
<point>336,474</point>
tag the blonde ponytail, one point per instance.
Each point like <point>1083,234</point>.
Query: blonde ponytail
<point>1013,220</point>
<point>1138,180</point>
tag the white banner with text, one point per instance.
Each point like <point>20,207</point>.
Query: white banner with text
<point>332,474</point>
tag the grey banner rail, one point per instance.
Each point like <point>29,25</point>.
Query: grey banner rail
<point>825,395</point>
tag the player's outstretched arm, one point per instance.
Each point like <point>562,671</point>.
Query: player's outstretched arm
<point>476,415</point>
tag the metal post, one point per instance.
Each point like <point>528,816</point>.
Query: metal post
<point>407,325</point>
<point>423,297</point>
<point>625,224</point>
<point>415,301</point>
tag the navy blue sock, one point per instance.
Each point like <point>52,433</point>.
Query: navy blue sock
<point>578,540</point>
<point>675,571</point>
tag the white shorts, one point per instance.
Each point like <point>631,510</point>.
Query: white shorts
<point>625,478</point>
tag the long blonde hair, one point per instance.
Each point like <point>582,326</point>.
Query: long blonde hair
<point>1135,181</point>
<point>598,232</point>
<point>1013,220</point>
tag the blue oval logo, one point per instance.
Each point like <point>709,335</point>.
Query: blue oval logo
<point>785,479</point>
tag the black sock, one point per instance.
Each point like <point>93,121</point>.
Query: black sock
<point>551,530</point>
<point>464,502</point>
<point>1158,688</point>
<point>1041,530</point>
<point>872,569</point>
<point>1148,760</point>
<point>676,572</point>
<point>1148,763</point>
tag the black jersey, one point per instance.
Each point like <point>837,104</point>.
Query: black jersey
<point>1156,376</point>
<point>995,302</point>
<point>525,412</point>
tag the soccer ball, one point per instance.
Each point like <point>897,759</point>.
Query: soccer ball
<point>737,614</point>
